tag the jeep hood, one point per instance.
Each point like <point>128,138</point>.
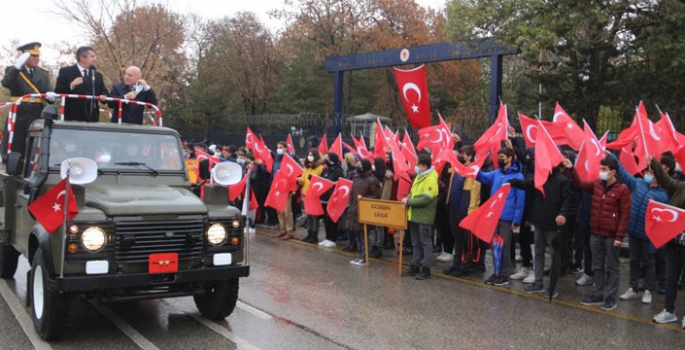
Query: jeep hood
<point>115,200</point>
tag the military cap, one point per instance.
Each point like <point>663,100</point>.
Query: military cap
<point>32,48</point>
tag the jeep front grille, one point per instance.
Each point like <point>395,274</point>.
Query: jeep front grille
<point>136,240</point>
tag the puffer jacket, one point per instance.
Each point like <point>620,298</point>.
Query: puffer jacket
<point>366,186</point>
<point>422,201</point>
<point>610,209</point>
<point>513,209</point>
<point>641,193</point>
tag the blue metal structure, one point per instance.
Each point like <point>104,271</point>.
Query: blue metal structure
<point>417,55</point>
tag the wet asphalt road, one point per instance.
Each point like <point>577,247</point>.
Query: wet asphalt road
<point>300,296</point>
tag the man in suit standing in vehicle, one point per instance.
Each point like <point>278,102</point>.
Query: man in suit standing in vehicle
<point>132,88</point>
<point>82,79</point>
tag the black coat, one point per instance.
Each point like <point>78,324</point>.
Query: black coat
<point>560,199</point>
<point>80,109</point>
<point>131,113</point>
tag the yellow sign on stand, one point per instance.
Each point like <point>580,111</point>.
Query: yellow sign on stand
<point>386,213</point>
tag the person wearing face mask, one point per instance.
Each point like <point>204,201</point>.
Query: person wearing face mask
<point>332,172</point>
<point>609,218</point>
<point>421,205</point>
<point>364,186</point>
<point>312,166</point>
<point>512,213</point>
<point>641,252</point>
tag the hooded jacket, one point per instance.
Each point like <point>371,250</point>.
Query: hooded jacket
<point>422,200</point>
<point>513,208</point>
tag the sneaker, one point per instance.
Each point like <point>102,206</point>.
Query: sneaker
<point>534,288</point>
<point>445,257</point>
<point>554,295</point>
<point>518,258</point>
<point>251,230</point>
<point>530,278</point>
<point>575,270</point>
<point>585,280</point>
<point>361,262</point>
<point>328,244</point>
<point>322,242</point>
<point>523,273</point>
<point>592,301</point>
<point>501,281</point>
<point>354,262</point>
<point>491,279</point>
<point>647,297</point>
<point>629,295</point>
<point>609,304</point>
<point>665,317</point>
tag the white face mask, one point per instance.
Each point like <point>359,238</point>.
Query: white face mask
<point>604,175</point>
<point>310,159</point>
<point>279,151</point>
<point>373,168</point>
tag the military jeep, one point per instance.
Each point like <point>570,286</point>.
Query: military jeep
<point>140,232</point>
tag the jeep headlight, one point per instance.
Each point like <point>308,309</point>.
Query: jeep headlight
<point>93,239</point>
<point>216,234</point>
<point>235,223</point>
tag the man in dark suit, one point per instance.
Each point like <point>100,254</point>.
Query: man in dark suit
<point>133,88</point>
<point>25,77</point>
<point>82,79</point>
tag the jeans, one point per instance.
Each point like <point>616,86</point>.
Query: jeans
<point>422,244</point>
<point>543,238</point>
<point>641,264</point>
<point>526,239</point>
<point>605,265</point>
<point>377,235</point>
<point>504,230</point>
<point>675,261</point>
<point>313,224</point>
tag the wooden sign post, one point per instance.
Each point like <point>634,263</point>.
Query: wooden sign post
<point>385,213</point>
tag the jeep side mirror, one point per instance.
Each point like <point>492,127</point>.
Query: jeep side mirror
<point>14,161</point>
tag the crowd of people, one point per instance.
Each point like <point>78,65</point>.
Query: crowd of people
<point>581,223</point>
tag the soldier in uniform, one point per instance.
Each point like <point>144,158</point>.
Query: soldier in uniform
<point>25,77</point>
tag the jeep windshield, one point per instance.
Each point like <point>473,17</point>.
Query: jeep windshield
<point>113,150</point>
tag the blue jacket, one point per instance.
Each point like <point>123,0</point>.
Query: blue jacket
<point>513,209</point>
<point>640,194</point>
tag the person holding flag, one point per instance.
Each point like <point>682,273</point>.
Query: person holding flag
<point>512,214</point>
<point>364,186</point>
<point>609,219</point>
<point>312,166</point>
<point>421,205</point>
<point>332,172</point>
<point>642,252</point>
<point>675,249</point>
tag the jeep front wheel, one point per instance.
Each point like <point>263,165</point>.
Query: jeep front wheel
<point>50,309</point>
<point>9,257</point>
<point>219,301</point>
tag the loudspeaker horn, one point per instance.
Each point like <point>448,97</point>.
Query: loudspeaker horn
<point>82,171</point>
<point>227,173</point>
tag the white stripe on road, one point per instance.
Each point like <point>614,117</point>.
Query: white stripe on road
<point>259,313</point>
<point>137,338</point>
<point>22,317</point>
<point>242,343</point>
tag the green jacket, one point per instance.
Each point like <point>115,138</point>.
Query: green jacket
<point>422,198</point>
<point>674,188</point>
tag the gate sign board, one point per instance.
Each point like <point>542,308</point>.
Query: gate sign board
<point>380,212</point>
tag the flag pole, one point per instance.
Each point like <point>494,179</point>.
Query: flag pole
<point>64,217</point>
<point>245,213</point>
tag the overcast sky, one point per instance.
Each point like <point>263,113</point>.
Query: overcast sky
<point>41,24</point>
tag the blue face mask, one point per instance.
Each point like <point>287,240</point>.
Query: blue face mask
<point>649,179</point>
<point>417,170</point>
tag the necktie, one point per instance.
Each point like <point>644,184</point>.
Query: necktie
<point>31,72</point>
<point>85,73</point>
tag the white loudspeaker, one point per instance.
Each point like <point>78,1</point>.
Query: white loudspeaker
<point>81,170</point>
<point>227,173</point>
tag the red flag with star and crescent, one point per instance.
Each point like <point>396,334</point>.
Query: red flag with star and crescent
<point>279,192</point>
<point>263,153</point>
<point>663,222</point>
<point>547,157</point>
<point>483,221</point>
<point>565,131</point>
<point>234,191</point>
<point>48,209</point>
<point>289,142</point>
<point>413,89</point>
<point>250,138</point>
<point>490,141</point>
<point>292,171</point>
<point>590,154</point>
<point>312,201</point>
<point>337,203</point>
<point>323,146</point>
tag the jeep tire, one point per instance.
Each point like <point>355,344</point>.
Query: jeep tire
<point>49,308</point>
<point>9,257</point>
<point>219,301</point>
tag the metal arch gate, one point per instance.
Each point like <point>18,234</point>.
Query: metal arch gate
<point>421,54</point>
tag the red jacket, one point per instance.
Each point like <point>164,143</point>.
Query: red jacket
<point>610,211</point>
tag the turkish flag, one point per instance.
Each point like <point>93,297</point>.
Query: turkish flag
<point>381,141</point>
<point>234,191</point>
<point>403,185</point>
<point>470,170</point>
<point>590,155</point>
<point>360,148</point>
<point>289,143</point>
<point>48,209</point>
<point>627,136</point>
<point>254,205</point>
<point>627,159</point>
<point>408,150</point>
<point>674,138</point>
<point>529,127</point>
<point>413,89</point>
<point>312,201</point>
<point>663,222</point>
<point>680,156</point>
<point>547,156</point>
<point>483,221</point>
<point>292,171</point>
<point>278,194</point>
<point>200,155</point>
<point>433,137</point>
<point>250,139</point>
<point>337,147</point>
<point>337,203</point>
<point>490,141</point>
<point>650,135</point>
<point>263,153</point>
<point>323,146</point>
<point>566,131</point>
